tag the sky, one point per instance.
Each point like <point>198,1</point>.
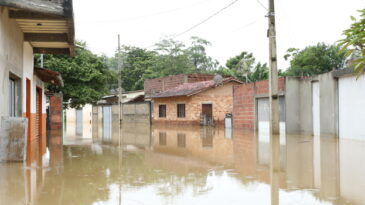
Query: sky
<point>240,27</point>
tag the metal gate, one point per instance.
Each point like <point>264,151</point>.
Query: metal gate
<point>79,122</point>
<point>107,123</point>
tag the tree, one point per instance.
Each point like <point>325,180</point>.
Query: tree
<point>198,56</point>
<point>354,42</point>
<point>135,62</point>
<point>170,57</point>
<point>314,60</point>
<point>245,68</point>
<point>85,76</point>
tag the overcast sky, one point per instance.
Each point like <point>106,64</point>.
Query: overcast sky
<point>241,27</point>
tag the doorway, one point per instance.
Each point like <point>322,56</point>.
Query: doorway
<point>207,115</point>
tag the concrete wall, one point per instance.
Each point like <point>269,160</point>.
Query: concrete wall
<point>136,112</point>
<point>299,116</point>
<point>11,57</point>
<point>16,59</point>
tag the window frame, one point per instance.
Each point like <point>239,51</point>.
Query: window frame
<point>181,113</point>
<point>12,97</point>
<point>162,113</point>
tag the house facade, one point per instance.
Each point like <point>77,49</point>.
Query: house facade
<point>198,103</point>
<point>27,28</point>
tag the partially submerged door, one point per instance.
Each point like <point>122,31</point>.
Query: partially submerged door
<point>207,114</point>
<point>315,108</point>
<point>107,123</point>
<point>79,122</point>
<point>38,113</point>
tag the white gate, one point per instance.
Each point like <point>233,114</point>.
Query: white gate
<point>316,109</point>
<point>351,97</point>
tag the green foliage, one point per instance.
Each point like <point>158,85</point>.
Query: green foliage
<point>245,68</point>
<point>314,60</point>
<point>170,57</point>
<point>354,42</point>
<point>85,76</point>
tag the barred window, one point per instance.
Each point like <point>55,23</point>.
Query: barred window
<point>180,110</point>
<point>162,111</point>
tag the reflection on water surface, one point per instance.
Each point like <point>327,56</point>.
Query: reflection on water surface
<point>188,165</point>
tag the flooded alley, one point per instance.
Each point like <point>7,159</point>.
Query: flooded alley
<point>187,165</point>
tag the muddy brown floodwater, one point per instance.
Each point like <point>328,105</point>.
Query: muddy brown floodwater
<point>187,165</point>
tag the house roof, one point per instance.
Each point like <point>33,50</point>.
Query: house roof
<point>48,25</point>
<point>49,76</point>
<point>189,89</point>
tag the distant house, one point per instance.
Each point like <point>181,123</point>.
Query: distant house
<point>205,102</point>
<point>26,28</point>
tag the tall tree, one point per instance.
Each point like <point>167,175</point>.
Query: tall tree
<point>354,42</point>
<point>314,60</point>
<point>245,67</point>
<point>85,76</point>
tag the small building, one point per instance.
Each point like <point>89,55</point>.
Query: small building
<point>205,103</point>
<point>27,28</point>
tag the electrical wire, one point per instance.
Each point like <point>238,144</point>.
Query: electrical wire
<point>205,20</point>
<point>262,5</point>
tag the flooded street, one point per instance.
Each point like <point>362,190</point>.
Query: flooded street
<point>187,165</point>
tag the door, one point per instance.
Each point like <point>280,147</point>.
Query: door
<point>27,107</point>
<point>351,100</point>
<point>79,122</point>
<point>107,123</point>
<point>315,108</point>
<point>38,118</point>
<point>207,114</point>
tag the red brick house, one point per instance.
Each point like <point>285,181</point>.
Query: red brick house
<point>205,102</point>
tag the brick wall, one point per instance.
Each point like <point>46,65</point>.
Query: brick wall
<point>244,102</point>
<point>221,99</point>
<point>161,84</point>
<point>55,113</point>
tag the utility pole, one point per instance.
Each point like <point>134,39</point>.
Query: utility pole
<point>273,73</point>
<point>119,82</point>
<point>274,109</point>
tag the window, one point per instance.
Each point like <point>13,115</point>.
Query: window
<point>162,138</point>
<point>162,111</point>
<point>13,96</point>
<point>180,110</point>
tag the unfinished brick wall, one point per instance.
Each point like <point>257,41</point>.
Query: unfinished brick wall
<point>244,101</point>
<point>157,85</point>
<point>55,118</point>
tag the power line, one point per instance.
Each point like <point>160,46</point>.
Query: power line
<point>262,5</point>
<point>207,19</point>
<point>248,24</point>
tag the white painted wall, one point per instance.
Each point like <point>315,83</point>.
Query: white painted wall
<point>351,97</point>
<point>87,123</point>
<point>11,56</point>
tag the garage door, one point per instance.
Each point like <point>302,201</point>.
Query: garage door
<point>351,107</point>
